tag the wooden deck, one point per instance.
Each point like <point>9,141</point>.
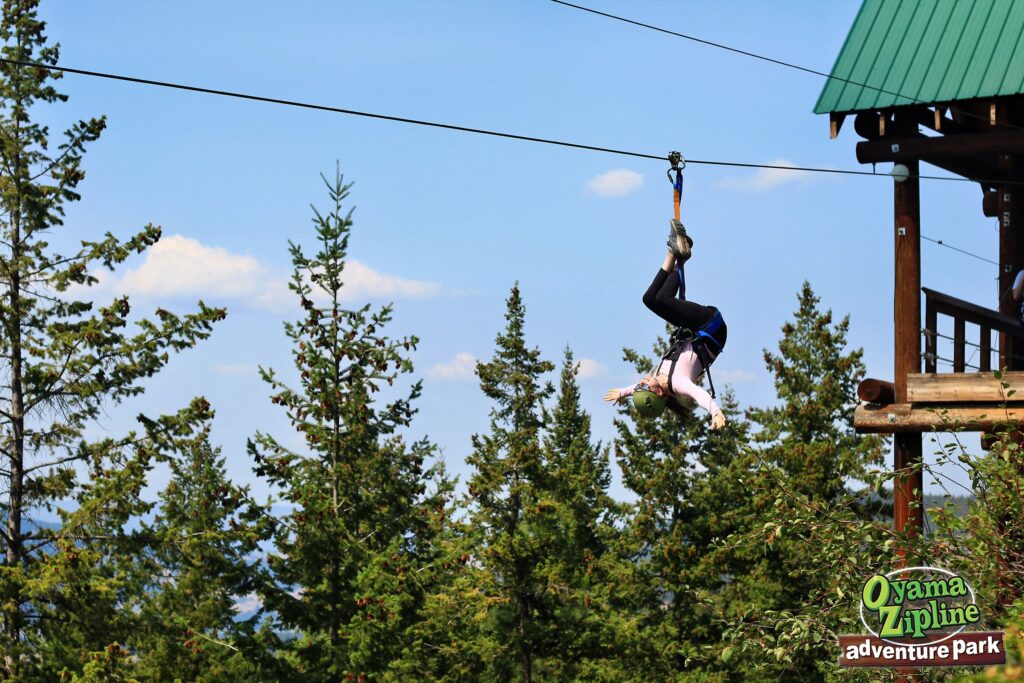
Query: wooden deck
<point>975,402</point>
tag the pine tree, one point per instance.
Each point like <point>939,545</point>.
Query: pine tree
<point>810,435</point>
<point>814,534</point>
<point>580,565</point>
<point>450,643</point>
<point>579,469</point>
<point>346,557</point>
<point>203,559</point>
<point>62,360</point>
<point>512,506</point>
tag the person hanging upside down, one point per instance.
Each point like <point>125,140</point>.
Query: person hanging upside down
<point>699,339</point>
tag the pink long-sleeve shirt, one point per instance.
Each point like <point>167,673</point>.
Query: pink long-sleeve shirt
<point>684,379</point>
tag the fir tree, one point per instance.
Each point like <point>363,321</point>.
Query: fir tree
<point>62,360</point>
<point>580,565</point>
<point>512,506</point>
<point>450,642</point>
<point>346,557</point>
<point>808,533</point>
<point>565,524</point>
<point>810,434</point>
<point>202,561</point>
<point>579,470</point>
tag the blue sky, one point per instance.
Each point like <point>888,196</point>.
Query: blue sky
<point>447,222</point>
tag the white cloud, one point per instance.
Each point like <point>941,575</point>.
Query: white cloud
<point>179,266</point>
<point>766,178</point>
<point>459,369</point>
<point>363,282</point>
<point>235,370</point>
<point>590,368</point>
<point>617,182</point>
<point>733,376</point>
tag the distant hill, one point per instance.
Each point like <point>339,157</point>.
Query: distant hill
<point>960,503</point>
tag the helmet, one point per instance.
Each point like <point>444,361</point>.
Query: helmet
<point>648,403</point>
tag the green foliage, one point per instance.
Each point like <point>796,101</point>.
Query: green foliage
<point>512,504</point>
<point>818,536</point>
<point>202,558</point>
<point>64,359</point>
<point>361,520</point>
<point>986,541</point>
<point>530,596</point>
<point>111,665</point>
<point>581,563</point>
<point>810,433</point>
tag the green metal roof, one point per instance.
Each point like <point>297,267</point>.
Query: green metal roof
<point>927,51</point>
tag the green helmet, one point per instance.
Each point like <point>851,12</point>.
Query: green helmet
<point>648,403</point>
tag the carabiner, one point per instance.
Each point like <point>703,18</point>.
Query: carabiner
<point>678,164</point>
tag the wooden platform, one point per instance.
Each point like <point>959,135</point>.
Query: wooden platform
<point>975,402</point>
<point>917,417</point>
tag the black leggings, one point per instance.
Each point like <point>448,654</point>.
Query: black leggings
<point>661,299</point>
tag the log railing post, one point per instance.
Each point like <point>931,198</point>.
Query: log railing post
<point>931,337</point>
<point>959,344</point>
<point>985,350</point>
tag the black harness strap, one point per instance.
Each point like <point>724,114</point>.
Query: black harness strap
<point>702,353</point>
<point>674,351</point>
<point>679,338</point>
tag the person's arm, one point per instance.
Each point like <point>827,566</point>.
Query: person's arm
<point>682,385</point>
<point>617,395</point>
<point>626,392</point>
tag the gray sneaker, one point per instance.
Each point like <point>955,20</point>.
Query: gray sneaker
<point>673,246</point>
<point>678,235</point>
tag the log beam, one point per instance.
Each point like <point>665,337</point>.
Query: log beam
<point>876,391</point>
<point>960,146</point>
<point>981,170</point>
<point>964,387</point>
<point>906,419</point>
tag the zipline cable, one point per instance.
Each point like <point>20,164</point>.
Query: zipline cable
<point>962,251</point>
<point>764,58</point>
<point>466,129</point>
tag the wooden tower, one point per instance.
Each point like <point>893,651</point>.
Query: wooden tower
<point>946,84</point>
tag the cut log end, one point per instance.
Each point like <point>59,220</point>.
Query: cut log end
<point>876,391</point>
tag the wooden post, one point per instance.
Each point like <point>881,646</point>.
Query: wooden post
<point>908,484</point>
<point>1010,262</point>
<point>985,344</point>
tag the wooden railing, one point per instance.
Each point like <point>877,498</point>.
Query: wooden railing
<point>985,320</point>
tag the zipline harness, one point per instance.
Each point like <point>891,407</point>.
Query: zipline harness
<point>704,334</point>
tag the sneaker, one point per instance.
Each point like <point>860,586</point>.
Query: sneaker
<point>673,246</point>
<point>683,241</point>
